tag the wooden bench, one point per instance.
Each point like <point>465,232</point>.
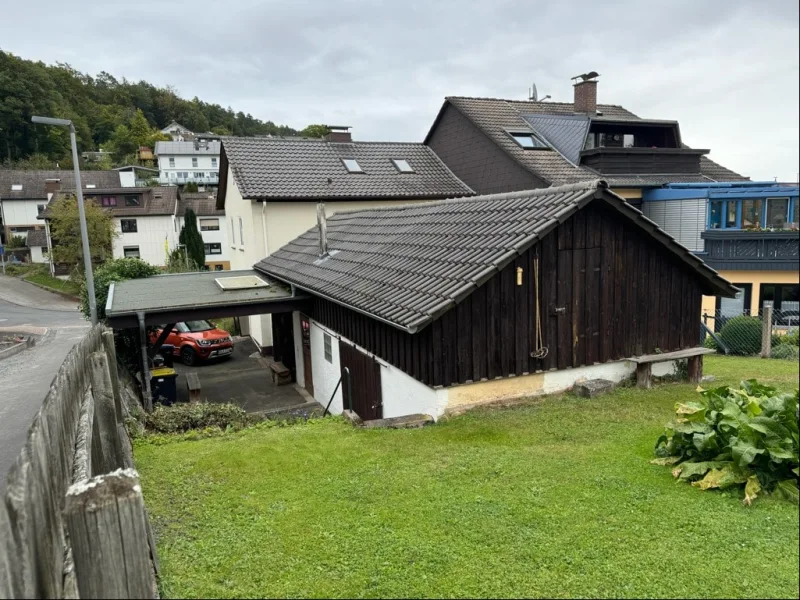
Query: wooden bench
<point>280,373</point>
<point>193,385</point>
<point>644,364</point>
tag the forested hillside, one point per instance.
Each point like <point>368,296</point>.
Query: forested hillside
<point>105,112</point>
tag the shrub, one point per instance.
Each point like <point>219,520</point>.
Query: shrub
<point>792,338</point>
<point>186,417</point>
<point>730,437</point>
<point>710,343</point>
<point>786,352</point>
<point>15,241</point>
<point>110,272</point>
<point>742,335</point>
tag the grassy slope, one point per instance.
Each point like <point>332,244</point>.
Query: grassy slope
<point>552,499</point>
<point>53,283</point>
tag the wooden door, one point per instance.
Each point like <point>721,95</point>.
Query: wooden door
<point>305,327</point>
<point>365,382</point>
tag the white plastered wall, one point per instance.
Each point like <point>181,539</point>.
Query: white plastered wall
<point>325,375</point>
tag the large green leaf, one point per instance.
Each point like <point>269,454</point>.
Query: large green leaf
<point>754,388</point>
<point>777,453</point>
<point>665,461</point>
<point>788,489</point>
<point>705,442</point>
<point>769,427</point>
<point>687,470</point>
<point>691,411</point>
<point>721,478</point>
<point>744,452</point>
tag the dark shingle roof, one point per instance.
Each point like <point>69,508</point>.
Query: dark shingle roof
<point>33,182</point>
<point>37,237</point>
<point>495,116</point>
<point>204,204</point>
<point>304,169</point>
<point>407,265</point>
<point>567,133</point>
<point>155,201</point>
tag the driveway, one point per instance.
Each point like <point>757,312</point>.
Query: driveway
<point>25,377</point>
<point>242,379</point>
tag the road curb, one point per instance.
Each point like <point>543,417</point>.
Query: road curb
<point>51,290</point>
<point>28,342</point>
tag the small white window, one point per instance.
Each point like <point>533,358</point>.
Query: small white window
<point>194,162</point>
<point>402,165</point>
<point>241,232</point>
<point>16,187</point>
<point>213,162</point>
<point>328,351</point>
<point>528,140</point>
<point>171,162</point>
<point>351,164</point>
<point>90,186</point>
<point>209,224</point>
<point>131,251</point>
<point>233,235</point>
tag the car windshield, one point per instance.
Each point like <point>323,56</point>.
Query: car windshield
<point>195,326</point>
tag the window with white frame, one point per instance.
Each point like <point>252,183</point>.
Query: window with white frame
<point>328,349</point>
<point>209,224</point>
<point>194,161</point>
<point>128,225</point>
<point>171,162</point>
<point>131,251</point>
<point>241,232</point>
<point>233,234</point>
<point>214,248</point>
<point>214,161</point>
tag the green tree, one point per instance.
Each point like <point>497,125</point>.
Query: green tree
<point>191,238</point>
<point>112,271</point>
<point>65,231</point>
<point>220,130</point>
<point>15,241</point>
<point>190,187</point>
<point>178,261</point>
<point>315,131</point>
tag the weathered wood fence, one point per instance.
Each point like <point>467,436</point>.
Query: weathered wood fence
<point>72,521</point>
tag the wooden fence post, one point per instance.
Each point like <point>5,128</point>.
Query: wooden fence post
<point>105,419</point>
<point>766,330</point>
<point>107,527</point>
<point>111,352</point>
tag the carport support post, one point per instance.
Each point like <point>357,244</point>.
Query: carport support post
<point>148,394</point>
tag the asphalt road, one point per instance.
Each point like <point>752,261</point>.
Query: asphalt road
<point>25,378</point>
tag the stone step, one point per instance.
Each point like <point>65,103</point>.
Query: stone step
<point>404,422</point>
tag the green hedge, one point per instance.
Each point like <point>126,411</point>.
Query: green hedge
<point>742,335</point>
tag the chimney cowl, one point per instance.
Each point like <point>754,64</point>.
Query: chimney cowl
<point>338,134</point>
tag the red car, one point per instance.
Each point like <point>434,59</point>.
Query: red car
<point>197,340</point>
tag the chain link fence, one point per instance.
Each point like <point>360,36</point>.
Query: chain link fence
<point>744,335</point>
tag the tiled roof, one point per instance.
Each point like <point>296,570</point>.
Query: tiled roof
<point>211,148</point>
<point>155,201</point>
<point>495,117</point>
<point>407,265</point>
<point>286,169</point>
<point>202,203</point>
<point>37,237</point>
<point>33,182</point>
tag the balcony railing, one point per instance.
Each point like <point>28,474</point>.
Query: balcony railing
<point>181,180</point>
<point>757,250</point>
<point>642,160</point>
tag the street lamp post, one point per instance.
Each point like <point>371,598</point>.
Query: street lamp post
<point>87,258</point>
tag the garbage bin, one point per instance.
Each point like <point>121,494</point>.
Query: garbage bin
<point>166,351</point>
<point>163,384</point>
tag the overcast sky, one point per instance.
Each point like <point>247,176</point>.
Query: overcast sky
<point>726,69</point>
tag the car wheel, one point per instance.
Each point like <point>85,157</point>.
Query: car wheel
<point>188,356</point>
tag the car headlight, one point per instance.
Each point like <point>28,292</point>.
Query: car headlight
<point>204,342</point>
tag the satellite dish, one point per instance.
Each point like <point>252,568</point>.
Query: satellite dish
<point>533,94</point>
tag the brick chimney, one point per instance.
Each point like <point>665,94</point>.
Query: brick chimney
<point>338,134</point>
<point>586,93</point>
<point>51,186</point>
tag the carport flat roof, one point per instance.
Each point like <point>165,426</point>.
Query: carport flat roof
<point>187,296</point>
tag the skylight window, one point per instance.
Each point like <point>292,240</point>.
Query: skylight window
<point>402,165</point>
<point>16,187</point>
<point>352,165</point>
<point>90,186</point>
<point>527,140</point>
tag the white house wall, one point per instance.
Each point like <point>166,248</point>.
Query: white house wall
<point>37,256</point>
<point>22,212</point>
<point>299,364</point>
<point>183,164</point>
<point>214,237</point>
<point>403,395</point>
<point>325,375</point>
<point>151,233</point>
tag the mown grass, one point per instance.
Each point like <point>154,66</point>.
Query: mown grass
<point>46,280</point>
<point>552,499</point>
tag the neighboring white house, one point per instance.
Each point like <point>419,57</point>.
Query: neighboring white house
<point>145,220</point>
<point>184,162</point>
<point>37,242</point>
<point>177,132</point>
<point>269,188</point>
<point>25,194</point>
<point>212,226</point>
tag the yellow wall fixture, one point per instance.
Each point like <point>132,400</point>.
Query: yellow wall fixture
<point>519,275</point>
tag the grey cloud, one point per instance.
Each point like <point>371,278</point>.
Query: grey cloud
<point>727,70</point>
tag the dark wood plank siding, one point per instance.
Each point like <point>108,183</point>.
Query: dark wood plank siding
<point>607,292</point>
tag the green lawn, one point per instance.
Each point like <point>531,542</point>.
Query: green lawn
<point>552,499</point>
<point>44,279</point>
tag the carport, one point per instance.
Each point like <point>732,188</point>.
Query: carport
<point>170,299</point>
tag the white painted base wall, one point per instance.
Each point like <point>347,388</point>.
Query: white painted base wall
<point>260,328</point>
<point>404,395</point>
<point>37,256</point>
